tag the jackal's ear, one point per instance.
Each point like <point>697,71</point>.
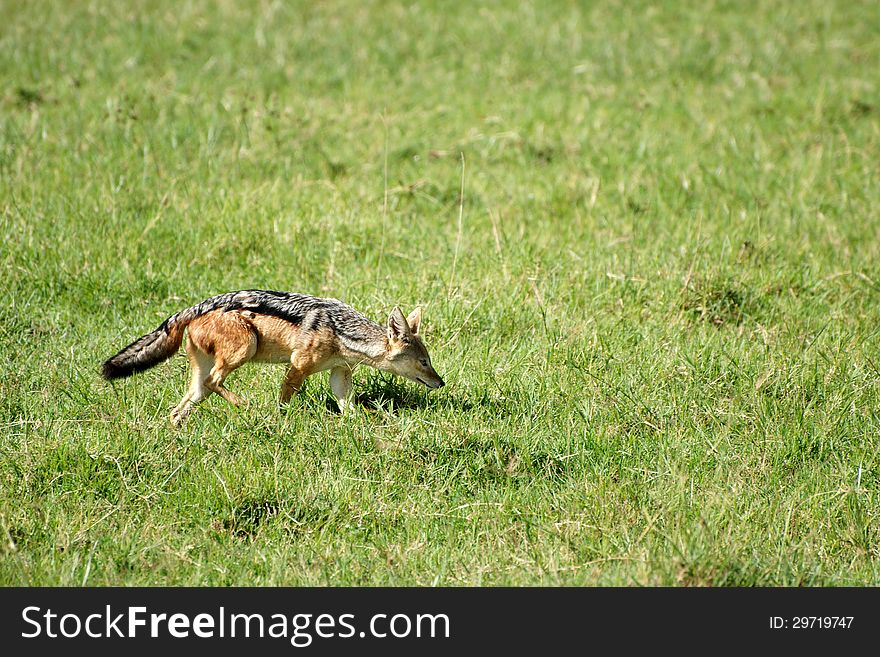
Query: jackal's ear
<point>397,326</point>
<point>415,320</point>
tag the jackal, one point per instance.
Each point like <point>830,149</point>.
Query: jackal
<point>308,333</point>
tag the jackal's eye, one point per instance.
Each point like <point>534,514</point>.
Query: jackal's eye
<point>423,362</point>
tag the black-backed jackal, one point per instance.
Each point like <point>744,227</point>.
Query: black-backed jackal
<point>310,334</point>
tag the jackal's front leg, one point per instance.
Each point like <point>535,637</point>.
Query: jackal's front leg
<point>340,384</point>
<point>293,381</point>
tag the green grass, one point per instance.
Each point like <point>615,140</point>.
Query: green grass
<point>658,316</point>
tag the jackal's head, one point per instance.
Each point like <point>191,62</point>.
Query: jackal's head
<point>406,354</point>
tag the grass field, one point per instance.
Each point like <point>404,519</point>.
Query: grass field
<point>655,305</point>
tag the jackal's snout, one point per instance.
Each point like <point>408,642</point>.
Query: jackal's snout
<point>407,353</point>
<point>431,380</point>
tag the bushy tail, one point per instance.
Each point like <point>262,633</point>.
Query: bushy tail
<point>150,350</point>
<point>153,348</point>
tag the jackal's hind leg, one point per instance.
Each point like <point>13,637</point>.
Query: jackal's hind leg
<point>234,343</point>
<point>201,364</point>
<point>214,383</point>
<point>340,384</point>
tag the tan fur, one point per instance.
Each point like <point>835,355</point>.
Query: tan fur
<point>221,341</point>
<point>309,334</point>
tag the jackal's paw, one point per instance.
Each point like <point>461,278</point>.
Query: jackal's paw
<point>176,419</point>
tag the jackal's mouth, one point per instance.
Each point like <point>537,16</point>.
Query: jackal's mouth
<point>424,383</point>
<point>428,385</point>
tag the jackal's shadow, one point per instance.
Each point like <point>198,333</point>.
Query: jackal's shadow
<point>393,395</point>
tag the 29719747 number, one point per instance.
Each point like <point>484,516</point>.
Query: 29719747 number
<point>811,622</point>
